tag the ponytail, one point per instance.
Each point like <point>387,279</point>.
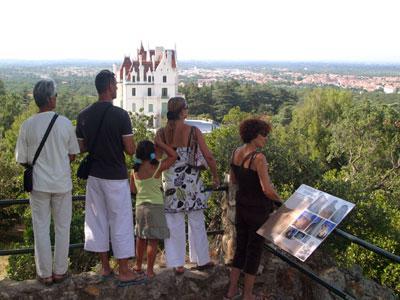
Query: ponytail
<point>137,164</point>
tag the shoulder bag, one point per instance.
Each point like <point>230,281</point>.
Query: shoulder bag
<point>28,172</point>
<point>196,159</point>
<point>86,163</point>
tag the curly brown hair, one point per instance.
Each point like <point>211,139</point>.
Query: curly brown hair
<point>250,128</point>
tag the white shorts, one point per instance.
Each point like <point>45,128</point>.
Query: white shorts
<point>108,214</point>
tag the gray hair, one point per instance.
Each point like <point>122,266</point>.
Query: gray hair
<point>43,90</point>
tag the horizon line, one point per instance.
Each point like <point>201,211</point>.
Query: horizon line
<point>373,62</point>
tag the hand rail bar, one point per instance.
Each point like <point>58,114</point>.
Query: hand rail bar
<point>367,245</point>
<point>72,246</point>
<point>310,274</point>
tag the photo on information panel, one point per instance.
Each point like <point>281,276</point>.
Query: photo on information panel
<point>304,221</point>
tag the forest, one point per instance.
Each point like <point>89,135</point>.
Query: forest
<point>339,141</point>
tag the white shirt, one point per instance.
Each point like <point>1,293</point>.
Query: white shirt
<point>51,172</point>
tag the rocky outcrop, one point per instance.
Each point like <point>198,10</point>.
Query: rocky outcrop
<point>192,284</point>
<point>276,281</point>
<point>279,281</point>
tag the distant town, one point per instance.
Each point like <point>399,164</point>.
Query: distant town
<point>388,84</point>
<point>363,77</point>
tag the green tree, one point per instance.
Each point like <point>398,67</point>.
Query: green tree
<point>312,123</point>
<point>2,88</point>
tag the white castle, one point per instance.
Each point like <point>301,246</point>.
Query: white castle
<point>147,82</point>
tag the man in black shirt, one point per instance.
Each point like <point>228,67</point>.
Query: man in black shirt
<point>106,132</point>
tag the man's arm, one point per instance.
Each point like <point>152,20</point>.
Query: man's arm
<point>21,148</point>
<point>127,135</point>
<point>82,145</point>
<point>129,144</point>
<point>79,135</point>
<point>73,144</point>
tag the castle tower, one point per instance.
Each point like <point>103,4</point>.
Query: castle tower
<point>147,82</point>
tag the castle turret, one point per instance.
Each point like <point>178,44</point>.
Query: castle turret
<point>147,82</point>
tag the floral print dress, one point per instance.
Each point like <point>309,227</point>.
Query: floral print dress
<point>183,186</point>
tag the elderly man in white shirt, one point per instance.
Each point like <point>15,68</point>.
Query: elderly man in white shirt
<point>52,185</point>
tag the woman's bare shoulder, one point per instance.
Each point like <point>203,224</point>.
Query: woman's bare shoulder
<point>260,159</point>
<point>237,154</point>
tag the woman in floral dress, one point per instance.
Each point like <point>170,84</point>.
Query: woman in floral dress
<point>183,186</point>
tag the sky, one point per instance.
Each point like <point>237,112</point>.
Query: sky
<point>270,30</point>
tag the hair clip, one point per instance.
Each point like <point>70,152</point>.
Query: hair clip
<point>152,155</point>
<point>138,161</point>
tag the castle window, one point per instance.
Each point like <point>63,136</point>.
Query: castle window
<point>164,78</point>
<point>133,107</point>
<point>148,91</point>
<point>164,92</point>
<point>164,108</point>
<point>150,107</point>
<point>152,78</point>
<point>133,78</point>
<point>133,91</point>
<point>149,79</point>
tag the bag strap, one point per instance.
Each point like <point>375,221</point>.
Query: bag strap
<point>251,154</point>
<point>39,149</point>
<point>90,150</point>
<point>192,136</point>
<point>233,155</point>
<point>252,158</point>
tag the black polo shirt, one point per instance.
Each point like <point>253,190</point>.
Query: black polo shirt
<point>108,155</point>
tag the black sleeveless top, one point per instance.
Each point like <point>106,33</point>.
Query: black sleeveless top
<point>250,193</point>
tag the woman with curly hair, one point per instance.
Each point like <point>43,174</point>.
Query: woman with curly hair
<point>254,203</point>
<point>182,188</point>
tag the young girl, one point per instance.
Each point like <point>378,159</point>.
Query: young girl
<point>151,224</point>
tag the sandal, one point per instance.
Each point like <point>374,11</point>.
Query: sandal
<point>47,281</point>
<point>207,266</point>
<point>138,280</point>
<point>179,270</point>
<point>150,277</point>
<point>60,278</point>
<point>234,297</point>
<point>108,277</point>
<point>138,271</point>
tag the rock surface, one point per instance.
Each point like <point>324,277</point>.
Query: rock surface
<point>276,281</point>
<point>192,284</point>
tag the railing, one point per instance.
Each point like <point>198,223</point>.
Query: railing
<point>293,263</point>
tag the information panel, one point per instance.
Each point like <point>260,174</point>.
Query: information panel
<point>304,221</point>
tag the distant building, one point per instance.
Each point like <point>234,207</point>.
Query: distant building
<point>389,89</point>
<point>147,82</point>
<point>205,126</point>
